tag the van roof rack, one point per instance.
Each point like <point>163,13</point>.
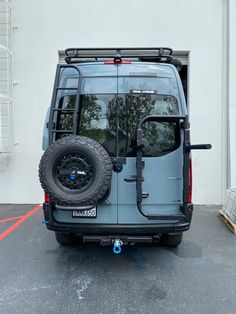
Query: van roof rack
<point>158,54</point>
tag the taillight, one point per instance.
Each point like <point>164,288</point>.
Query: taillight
<point>46,197</point>
<point>190,182</point>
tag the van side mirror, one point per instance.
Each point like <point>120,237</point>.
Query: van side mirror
<point>198,146</point>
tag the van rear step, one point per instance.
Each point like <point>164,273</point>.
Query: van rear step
<point>110,239</point>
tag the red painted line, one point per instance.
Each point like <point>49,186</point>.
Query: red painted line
<point>9,219</point>
<point>19,222</point>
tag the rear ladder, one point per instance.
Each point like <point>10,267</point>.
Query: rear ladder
<point>52,125</point>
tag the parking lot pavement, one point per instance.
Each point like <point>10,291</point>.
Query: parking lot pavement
<point>39,276</point>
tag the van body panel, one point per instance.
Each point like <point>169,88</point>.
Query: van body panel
<point>163,163</point>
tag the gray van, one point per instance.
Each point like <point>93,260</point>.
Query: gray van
<point>117,163</point>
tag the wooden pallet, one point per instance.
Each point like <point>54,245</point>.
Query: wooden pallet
<point>227,221</point>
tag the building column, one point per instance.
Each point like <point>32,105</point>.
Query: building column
<point>232,90</point>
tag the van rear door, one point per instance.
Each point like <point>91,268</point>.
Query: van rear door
<point>162,186</point>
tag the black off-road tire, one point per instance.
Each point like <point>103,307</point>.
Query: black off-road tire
<point>94,152</point>
<point>67,238</point>
<point>171,240</point>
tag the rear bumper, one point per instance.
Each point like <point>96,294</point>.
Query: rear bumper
<point>118,229</point>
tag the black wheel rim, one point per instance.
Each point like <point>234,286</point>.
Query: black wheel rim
<point>74,172</point>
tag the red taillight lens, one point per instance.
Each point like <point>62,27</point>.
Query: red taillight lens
<point>46,197</point>
<point>190,182</point>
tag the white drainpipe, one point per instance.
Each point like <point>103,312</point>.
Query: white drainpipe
<point>229,94</point>
<point>225,140</point>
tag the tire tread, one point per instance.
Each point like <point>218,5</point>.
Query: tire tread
<point>100,153</point>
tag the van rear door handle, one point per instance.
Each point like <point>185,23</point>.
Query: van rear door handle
<point>131,179</point>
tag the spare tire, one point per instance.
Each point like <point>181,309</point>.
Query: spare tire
<point>75,170</point>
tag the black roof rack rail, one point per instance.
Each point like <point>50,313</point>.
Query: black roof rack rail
<point>157,54</point>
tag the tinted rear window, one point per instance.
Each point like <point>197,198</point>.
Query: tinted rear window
<point>112,120</point>
<point>98,120</point>
<point>161,85</point>
<point>159,138</point>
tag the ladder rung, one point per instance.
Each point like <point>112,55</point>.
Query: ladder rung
<point>66,110</point>
<point>67,88</point>
<point>62,131</point>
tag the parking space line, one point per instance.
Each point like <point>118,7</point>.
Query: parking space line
<point>10,219</point>
<point>21,220</point>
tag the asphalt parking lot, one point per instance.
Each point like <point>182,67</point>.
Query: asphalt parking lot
<point>39,276</point>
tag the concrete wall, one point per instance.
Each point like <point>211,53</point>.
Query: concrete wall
<point>44,27</point>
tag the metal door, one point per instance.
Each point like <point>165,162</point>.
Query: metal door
<point>162,184</point>
<point>98,120</point>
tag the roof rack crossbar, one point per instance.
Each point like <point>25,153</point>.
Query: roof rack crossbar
<point>159,54</point>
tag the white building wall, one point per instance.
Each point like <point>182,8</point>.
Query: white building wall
<point>44,27</point>
<point>232,90</point>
